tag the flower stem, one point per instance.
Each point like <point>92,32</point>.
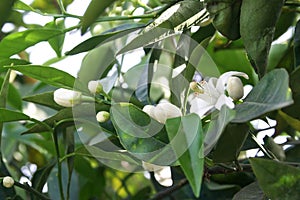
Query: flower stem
<point>59,170</point>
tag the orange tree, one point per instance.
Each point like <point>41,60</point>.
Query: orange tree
<point>168,102</point>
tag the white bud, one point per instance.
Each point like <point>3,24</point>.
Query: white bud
<point>235,88</point>
<point>67,98</point>
<point>95,87</point>
<point>102,116</point>
<point>8,182</point>
<point>149,109</point>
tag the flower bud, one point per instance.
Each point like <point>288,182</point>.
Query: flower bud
<point>195,87</point>
<point>235,88</point>
<point>8,182</point>
<point>67,98</point>
<point>95,87</point>
<point>102,116</point>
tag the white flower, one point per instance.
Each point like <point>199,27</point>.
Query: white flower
<point>67,98</point>
<point>102,116</point>
<point>162,111</point>
<point>162,174</point>
<point>8,182</point>
<point>95,87</point>
<point>213,95</point>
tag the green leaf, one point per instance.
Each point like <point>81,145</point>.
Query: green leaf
<point>93,151</point>
<point>16,42</point>
<point>226,17</point>
<point>49,75</point>
<point>277,180</point>
<point>258,20</point>
<point>271,93</point>
<point>13,96</point>
<point>57,42</point>
<point>11,62</point>
<point>230,143</point>
<point>10,116</point>
<point>250,192</point>
<point>286,20</point>
<point>110,35</point>
<point>5,10</point>
<point>96,63</point>
<point>178,17</point>
<point>186,136</point>
<point>292,110</point>
<point>297,44</point>
<point>215,127</point>
<point>45,99</point>
<point>141,135</point>
<point>95,8</point>
<point>40,177</point>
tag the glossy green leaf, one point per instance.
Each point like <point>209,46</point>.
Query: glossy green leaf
<point>277,180</point>
<point>297,44</point>
<point>92,151</point>
<point>186,136</point>
<point>103,38</point>
<point>5,10</point>
<point>67,114</point>
<point>226,17</point>
<point>292,110</point>
<point>9,116</point>
<point>250,192</point>
<point>45,99</point>
<point>286,20</point>
<point>49,75</point>
<point>96,63</point>
<point>16,42</point>
<point>178,17</point>
<point>11,61</point>
<point>13,96</point>
<point>57,42</point>
<point>141,135</point>
<point>271,93</point>
<point>258,20</point>
<point>40,177</point>
<point>230,143</point>
<point>216,126</point>
<point>95,8</point>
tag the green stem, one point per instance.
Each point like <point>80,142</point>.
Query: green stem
<point>185,101</point>
<point>61,6</point>
<point>59,170</point>
<point>31,190</point>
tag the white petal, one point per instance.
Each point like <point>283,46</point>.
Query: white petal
<point>149,109</point>
<point>224,78</point>
<point>164,176</point>
<point>200,107</point>
<point>170,109</point>
<point>224,100</point>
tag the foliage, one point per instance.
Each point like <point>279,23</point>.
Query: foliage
<point>65,153</point>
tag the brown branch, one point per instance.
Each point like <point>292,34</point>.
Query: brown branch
<point>164,193</point>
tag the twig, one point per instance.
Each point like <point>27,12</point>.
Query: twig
<point>32,190</point>
<point>164,193</point>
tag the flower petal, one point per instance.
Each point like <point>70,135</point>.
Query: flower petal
<point>149,109</point>
<point>224,100</point>
<point>224,78</point>
<point>169,109</point>
<point>200,107</point>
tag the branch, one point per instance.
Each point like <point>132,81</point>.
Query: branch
<point>164,193</point>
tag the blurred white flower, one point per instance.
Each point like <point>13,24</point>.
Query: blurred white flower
<point>102,116</point>
<point>67,98</point>
<point>162,111</point>
<point>162,174</point>
<point>8,182</point>
<point>95,87</point>
<point>212,95</point>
